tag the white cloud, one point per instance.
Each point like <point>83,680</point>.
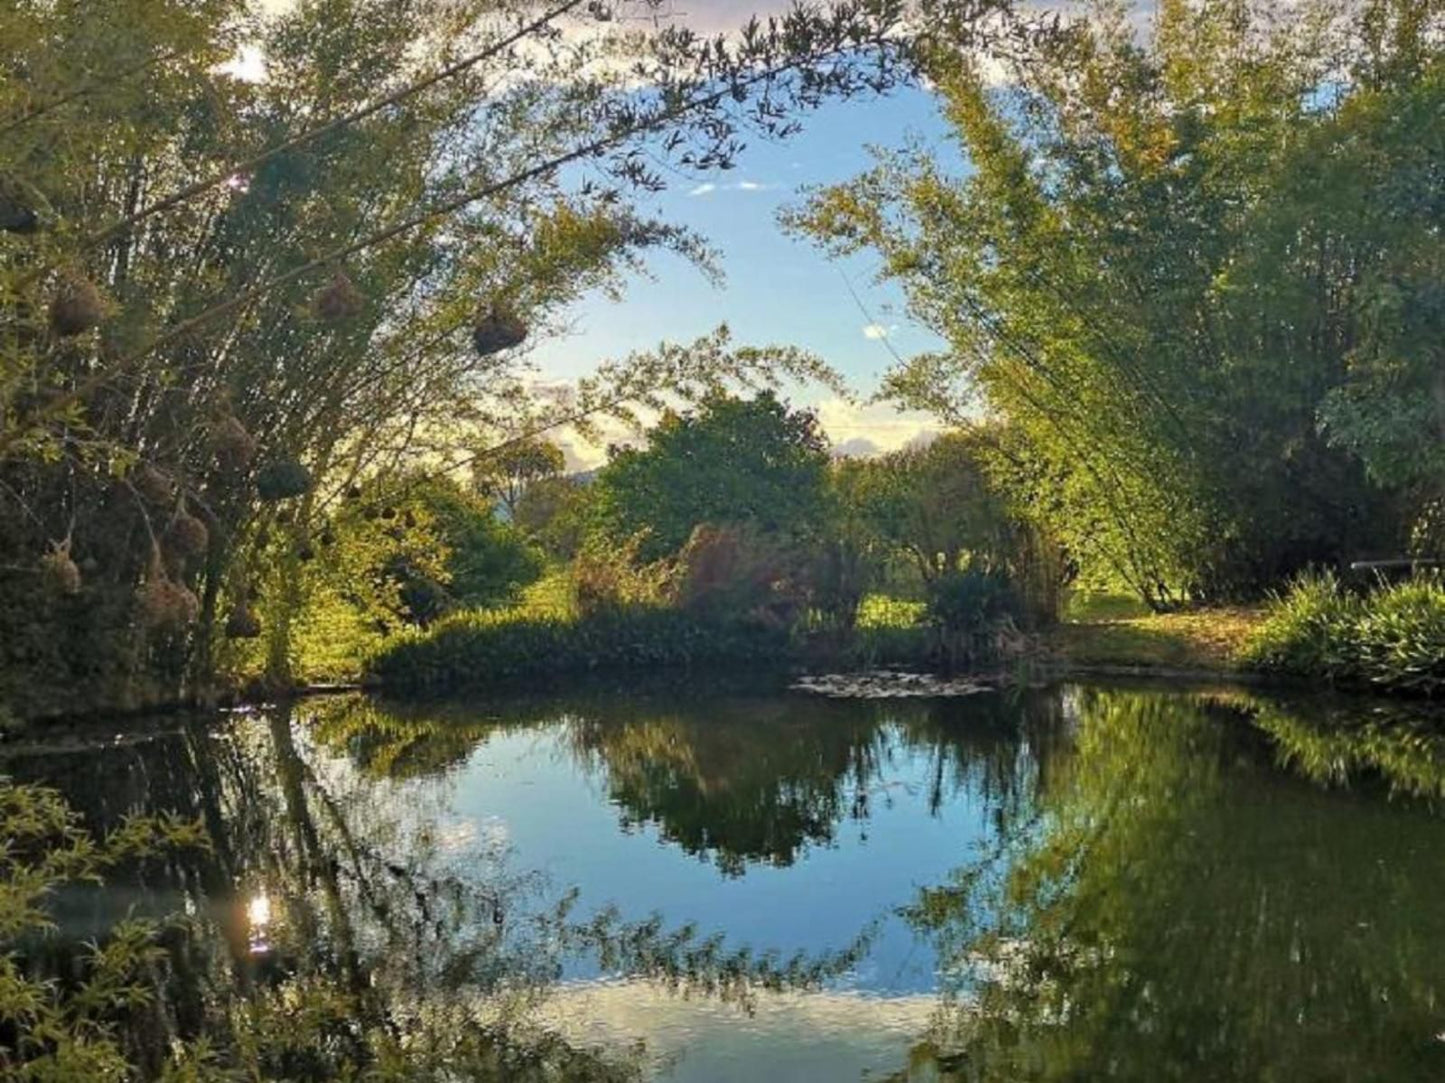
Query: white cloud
<point>874,427</point>
<point>707,188</point>
<point>877,332</point>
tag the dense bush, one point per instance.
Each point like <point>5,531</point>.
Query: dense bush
<point>1392,637</point>
<point>969,611</point>
<point>481,649</point>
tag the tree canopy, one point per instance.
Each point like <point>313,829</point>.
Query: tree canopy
<point>1195,272</point>
<point>733,460</point>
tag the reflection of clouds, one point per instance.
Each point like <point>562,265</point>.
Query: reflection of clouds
<point>458,835</point>
<point>820,1035</point>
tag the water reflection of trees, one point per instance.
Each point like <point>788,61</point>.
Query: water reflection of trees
<point>736,779</point>
<point>334,925</point>
<point>753,780</point>
<point>1181,910</point>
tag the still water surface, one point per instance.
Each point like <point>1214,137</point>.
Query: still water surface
<point>1071,883</point>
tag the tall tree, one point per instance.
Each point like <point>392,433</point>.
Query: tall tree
<point>737,461</point>
<point>1170,270</point>
<point>223,301</point>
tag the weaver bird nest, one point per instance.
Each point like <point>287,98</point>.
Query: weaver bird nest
<point>76,307</point>
<point>153,484</point>
<point>232,445</point>
<point>498,330</point>
<point>282,479</point>
<point>186,536</point>
<point>165,604</point>
<point>338,300</point>
<point>243,623</point>
<point>61,574</point>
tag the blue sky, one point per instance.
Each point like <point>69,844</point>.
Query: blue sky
<point>778,289</point>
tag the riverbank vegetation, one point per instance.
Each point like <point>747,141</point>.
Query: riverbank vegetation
<point>1390,638</point>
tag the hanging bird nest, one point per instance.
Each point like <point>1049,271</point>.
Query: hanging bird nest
<point>305,552</point>
<point>498,330</point>
<point>282,479</point>
<point>186,536</point>
<point>353,492</point>
<point>327,537</point>
<point>62,575</point>
<point>243,623</point>
<point>388,513</point>
<point>153,484</point>
<point>165,603</point>
<point>76,307</point>
<point>232,445</point>
<point>18,207</point>
<point>338,300</point>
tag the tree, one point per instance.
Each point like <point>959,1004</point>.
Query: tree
<point>1172,272</point>
<point>936,505</point>
<point>735,461</point>
<point>325,275</point>
<point>507,475</point>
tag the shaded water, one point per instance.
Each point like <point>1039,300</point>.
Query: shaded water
<point>1075,883</point>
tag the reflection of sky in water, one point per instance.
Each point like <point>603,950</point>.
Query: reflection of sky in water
<point>561,823</point>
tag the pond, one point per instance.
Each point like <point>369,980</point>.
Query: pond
<point>730,882</point>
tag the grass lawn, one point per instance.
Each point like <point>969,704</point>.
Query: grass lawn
<point>1106,630</point>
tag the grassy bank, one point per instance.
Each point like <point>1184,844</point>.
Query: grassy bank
<point>1116,632</point>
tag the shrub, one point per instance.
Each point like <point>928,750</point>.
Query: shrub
<point>485,649</point>
<point>1401,636</point>
<point>609,577</point>
<point>1392,638</point>
<point>734,572</point>
<point>1310,630</point>
<point>970,610</point>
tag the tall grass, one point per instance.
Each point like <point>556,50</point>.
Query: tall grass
<point>1392,637</point>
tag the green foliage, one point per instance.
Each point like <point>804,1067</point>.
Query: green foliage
<point>490,649</point>
<point>973,612</point>
<point>58,1030</point>
<point>1392,638</point>
<point>368,233</point>
<point>554,514</point>
<point>943,508</point>
<point>506,474</point>
<point>746,461</point>
<point>1195,272</point>
<point>734,573</point>
<point>1171,909</point>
